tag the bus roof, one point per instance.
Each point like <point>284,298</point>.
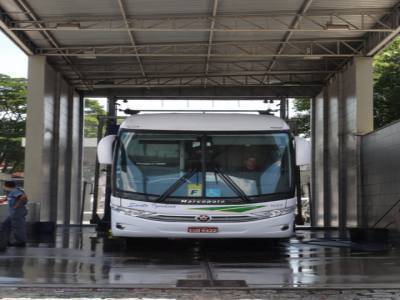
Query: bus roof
<point>204,122</point>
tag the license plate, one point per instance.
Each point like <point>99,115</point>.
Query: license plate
<point>202,229</point>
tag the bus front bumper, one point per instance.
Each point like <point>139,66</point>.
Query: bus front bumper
<point>130,226</point>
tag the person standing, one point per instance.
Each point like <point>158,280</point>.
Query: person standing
<point>14,226</point>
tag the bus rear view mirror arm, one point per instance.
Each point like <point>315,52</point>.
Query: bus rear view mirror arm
<point>303,151</point>
<point>105,149</point>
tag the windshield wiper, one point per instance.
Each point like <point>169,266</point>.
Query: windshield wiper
<point>232,185</point>
<point>124,160</point>
<point>176,185</point>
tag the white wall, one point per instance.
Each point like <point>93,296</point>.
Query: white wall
<point>381,177</point>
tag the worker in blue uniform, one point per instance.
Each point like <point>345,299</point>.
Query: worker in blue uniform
<point>15,224</point>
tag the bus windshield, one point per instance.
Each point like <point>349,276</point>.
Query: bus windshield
<point>167,166</point>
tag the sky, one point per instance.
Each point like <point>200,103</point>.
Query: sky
<point>14,62</point>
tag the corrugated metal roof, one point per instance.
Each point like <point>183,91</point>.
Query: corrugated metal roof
<point>235,42</point>
<point>352,4</point>
<point>87,38</point>
<point>74,7</point>
<point>255,6</point>
<point>162,7</point>
<point>170,37</point>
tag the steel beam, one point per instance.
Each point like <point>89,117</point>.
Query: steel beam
<point>133,74</point>
<point>245,49</point>
<point>167,84</point>
<point>70,52</point>
<point>201,92</point>
<point>303,10</point>
<point>210,39</point>
<point>133,71</point>
<point>20,38</point>
<point>182,66</point>
<point>375,42</point>
<point>130,34</point>
<point>47,35</point>
<point>314,21</point>
<point>225,80</point>
<point>208,63</point>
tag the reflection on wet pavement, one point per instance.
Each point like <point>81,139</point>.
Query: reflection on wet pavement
<point>79,257</point>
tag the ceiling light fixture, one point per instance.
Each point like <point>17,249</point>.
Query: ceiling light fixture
<point>333,26</point>
<point>87,55</point>
<point>312,57</point>
<point>68,26</point>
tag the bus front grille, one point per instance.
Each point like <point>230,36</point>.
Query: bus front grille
<point>213,219</point>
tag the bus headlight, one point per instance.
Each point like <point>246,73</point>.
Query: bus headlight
<point>274,213</point>
<point>131,212</point>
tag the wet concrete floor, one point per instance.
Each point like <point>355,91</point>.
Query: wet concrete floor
<point>79,257</point>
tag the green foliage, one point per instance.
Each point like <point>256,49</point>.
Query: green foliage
<point>387,85</point>
<point>386,91</point>
<point>302,108</point>
<point>302,105</point>
<point>12,122</point>
<point>92,110</point>
<point>13,93</point>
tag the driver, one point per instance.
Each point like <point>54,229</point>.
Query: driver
<point>250,164</point>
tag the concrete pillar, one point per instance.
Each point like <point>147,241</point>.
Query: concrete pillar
<point>39,133</point>
<point>313,186</point>
<point>283,108</point>
<point>75,148</point>
<point>356,119</point>
<point>52,154</point>
<point>342,112</point>
<point>71,197</point>
<point>332,121</point>
<point>318,174</point>
<point>63,160</point>
<point>364,94</point>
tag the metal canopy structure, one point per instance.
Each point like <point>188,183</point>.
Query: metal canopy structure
<point>203,48</point>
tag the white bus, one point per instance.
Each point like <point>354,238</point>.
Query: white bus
<point>203,175</point>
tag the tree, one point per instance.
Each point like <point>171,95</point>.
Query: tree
<point>92,110</point>
<point>387,85</point>
<point>12,122</point>
<point>386,91</point>
<point>302,108</point>
<point>13,93</point>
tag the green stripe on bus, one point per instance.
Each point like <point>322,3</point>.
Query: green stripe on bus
<point>235,208</point>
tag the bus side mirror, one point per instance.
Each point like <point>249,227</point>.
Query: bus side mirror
<point>105,149</point>
<point>303,151</point>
